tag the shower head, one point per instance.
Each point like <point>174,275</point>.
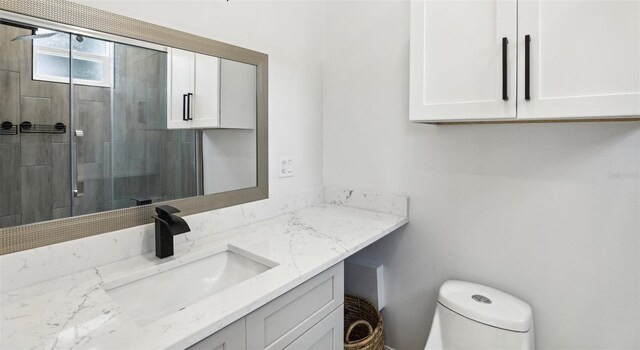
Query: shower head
<point>33,36</point>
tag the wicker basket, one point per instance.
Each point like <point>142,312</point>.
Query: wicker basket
<point>363,325</point>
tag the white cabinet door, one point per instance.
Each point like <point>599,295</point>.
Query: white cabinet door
<point>207,92</point>
<point>456,62</point>
<point>283,320</point>
<point>231,337</point>
<point>584,58</point>
<point>180,65</point>
<point>326,335</point>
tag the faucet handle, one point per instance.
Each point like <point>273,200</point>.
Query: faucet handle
<point>165,211</point>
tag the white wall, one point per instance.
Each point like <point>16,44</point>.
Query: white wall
<point>290,32</point>
<point>547,212</point>
<point>228,160</point>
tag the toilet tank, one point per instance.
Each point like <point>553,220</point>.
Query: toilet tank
<point>473,316</point>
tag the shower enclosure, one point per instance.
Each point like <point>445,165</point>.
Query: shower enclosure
<point>84,127</point>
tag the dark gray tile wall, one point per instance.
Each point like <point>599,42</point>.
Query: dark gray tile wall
<point>10,155</point>
<point>10,198</point>
<point>9,97</point>
<point>34,168</point>
<point>92,110</point>
<point>36,197</point>
<point>9,53</point>
<point>60,166</point>
<point>35,150</point>
<point>148,159</point>
<point>11,220</point>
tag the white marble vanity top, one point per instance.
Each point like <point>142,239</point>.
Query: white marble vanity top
<point>75,311</point>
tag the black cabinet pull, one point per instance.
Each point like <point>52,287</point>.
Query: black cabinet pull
<point>189,106</point>
<point>184,107</point>
<point>527,67</point>
<point>505,96</point>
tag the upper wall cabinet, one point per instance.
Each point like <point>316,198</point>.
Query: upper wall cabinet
<point>584,59</point>
<point>207,92</point>
<point>570,59</point>
<point>460,67</point>
<point>193,90</point>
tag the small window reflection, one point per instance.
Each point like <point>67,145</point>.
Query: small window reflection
<point>92,59</point>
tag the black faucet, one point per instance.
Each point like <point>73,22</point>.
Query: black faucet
<point>167,226</point>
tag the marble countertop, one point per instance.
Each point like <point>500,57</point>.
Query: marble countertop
<point>75,311</point>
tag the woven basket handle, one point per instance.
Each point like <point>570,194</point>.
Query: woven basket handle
<point>354,325</point>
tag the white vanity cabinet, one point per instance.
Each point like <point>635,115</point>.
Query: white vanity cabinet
<point>310,316</point>
<point>326,335</point>
<point>569,60</point>
<point>231,337</point>
<point>277,324</point>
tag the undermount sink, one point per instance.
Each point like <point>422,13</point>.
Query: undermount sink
<point>156,292</point>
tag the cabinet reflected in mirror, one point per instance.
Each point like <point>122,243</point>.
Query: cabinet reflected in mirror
<point>86,125</point>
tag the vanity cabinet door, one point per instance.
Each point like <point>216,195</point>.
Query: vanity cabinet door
<point>283,320</point>
<point>328,334</point>
<point>584,58</point>
<point>180,83</point>
<point>232,337</point>
<point>463,60</point>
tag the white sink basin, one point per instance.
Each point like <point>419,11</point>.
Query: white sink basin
<point>156,292</point>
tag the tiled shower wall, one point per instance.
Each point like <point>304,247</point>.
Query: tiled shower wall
<point>149,161</point>
<point>34,168</point>
<point>129,154</point>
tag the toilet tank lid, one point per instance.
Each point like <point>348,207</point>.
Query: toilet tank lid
<point>486,305</point>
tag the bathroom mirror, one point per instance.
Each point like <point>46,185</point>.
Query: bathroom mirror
<point>104,116</point>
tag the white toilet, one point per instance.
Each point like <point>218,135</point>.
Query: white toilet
<point>473,316</point>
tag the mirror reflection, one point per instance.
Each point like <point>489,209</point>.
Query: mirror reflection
<point>230,154</point>
<point>91,125</point>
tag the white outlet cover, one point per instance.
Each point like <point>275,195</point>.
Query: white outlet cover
<point>285,166</point>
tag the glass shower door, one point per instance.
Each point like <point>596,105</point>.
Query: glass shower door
<point>123,153</point>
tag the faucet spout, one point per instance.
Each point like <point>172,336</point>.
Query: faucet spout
<point>167,225</point>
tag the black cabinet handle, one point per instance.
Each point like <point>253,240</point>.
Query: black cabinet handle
<point>527,67</point>
<point>505,96</point>
<point>189,95</point>
<point>184,107</point>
